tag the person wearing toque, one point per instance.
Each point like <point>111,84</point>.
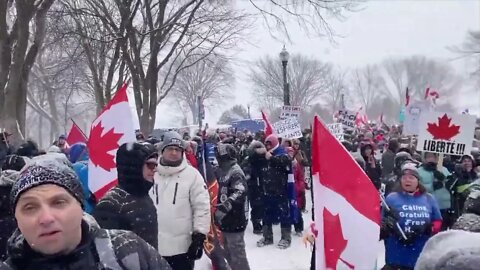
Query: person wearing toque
<point>54,233</point>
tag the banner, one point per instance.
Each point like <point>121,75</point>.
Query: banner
<point>337,130</point>
<point>443,133</point>
<point>288,128</point>
<point>347,119</point>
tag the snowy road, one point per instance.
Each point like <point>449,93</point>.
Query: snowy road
<point>297,257</point>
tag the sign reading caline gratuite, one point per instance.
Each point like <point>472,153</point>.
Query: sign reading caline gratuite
<point>288,128</point>
<point>444,133</point>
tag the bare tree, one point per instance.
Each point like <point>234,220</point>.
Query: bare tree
<point>211,79</point>
<point>237,112</point>
<point>138,39</point>
<point>336,89</point>
<point>417,73</point>
<point>311,15</point>
<point>308,80</point>
<point>22,31</point>
<point>369,86</point>
<point>470,49</point>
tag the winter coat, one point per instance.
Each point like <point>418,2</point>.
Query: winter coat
<point>276,179</point>
<point>460,185</point>
<point>183,206</point>
<point>192,159</point>
<point>81,169</point>
<point>416,213</point>
<point>375,174</point>
<point>258,166</point>
<point>233,188</point>
<point>442,195</point>
<point>98,249</point>
<point>128,206</point>
<point>470,219</point>
<point>387,162</point>
<point>7,220</point>
<point>451,250</point>
<point>299,176</point>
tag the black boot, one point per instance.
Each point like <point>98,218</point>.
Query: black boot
<point>257,226</point>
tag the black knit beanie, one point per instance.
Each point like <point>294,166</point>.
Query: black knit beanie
<point>36,175</point>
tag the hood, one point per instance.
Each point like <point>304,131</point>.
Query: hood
<point>451,250</point>
<point>18,248</point>
<point>130,160</point>
<point>169,170</point>
<point>279,150</point>
<point>255,145</point>
<point>364,147</point>
<point>78,152</point>
<point>9,177</point>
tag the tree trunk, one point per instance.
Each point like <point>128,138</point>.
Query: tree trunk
<point>40,129</point>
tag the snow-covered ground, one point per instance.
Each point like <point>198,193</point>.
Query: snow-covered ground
<point>297,257</point>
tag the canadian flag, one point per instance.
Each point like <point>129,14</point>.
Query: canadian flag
<point>431,94</point>
<point>76,135</point>
<point>268,126</point>
<point>347,206</point>
<point>112,128</point>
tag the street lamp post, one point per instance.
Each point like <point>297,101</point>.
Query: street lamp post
<point>284,55</point>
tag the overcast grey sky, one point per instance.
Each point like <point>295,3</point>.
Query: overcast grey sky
<point>388,28</point>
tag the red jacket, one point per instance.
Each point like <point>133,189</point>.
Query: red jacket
<point>192,159</point>
<point>299,176</point>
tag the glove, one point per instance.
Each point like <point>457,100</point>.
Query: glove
<point>437,184</point>
<point>195,251</point>
<point>438,175</point>
<point>222,211</point>
<point>388,226</point>
<point>411,238</point>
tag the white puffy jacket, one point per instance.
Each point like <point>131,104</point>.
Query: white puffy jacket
<point>183,206</point>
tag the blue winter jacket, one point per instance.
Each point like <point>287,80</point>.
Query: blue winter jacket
<point>442,195</point>
<point>79,157</point>
<point>414,211</point>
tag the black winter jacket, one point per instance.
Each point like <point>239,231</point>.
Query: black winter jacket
<point>276,179</point>
<point>128,206</point>
<point>99,249</point>
<point>233,188</point>
<point>7,220</point>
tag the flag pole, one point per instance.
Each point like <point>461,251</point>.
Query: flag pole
<point>73,121</point>
<point>388,209</point>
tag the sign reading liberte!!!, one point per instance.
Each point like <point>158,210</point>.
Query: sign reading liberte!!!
<point>337,130</point>
<point>443,133</point>
<point>290,112</point>
<point>347,118</point>
<point>288,128</point>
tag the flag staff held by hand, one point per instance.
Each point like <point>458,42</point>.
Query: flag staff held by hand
<point>388,209</point>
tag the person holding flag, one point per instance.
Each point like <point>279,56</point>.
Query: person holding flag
<point>411,216</point>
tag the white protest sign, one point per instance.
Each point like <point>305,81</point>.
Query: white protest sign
<point>444,133</point>
<point>290,112</point>
<point>337,130</point>
<point>288,128</point>
<point>413,111</point>
<point>347,118</point>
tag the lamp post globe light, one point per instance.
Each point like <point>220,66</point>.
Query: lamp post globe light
<point>284,56</point>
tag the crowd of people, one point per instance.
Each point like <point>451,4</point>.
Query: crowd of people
<point>159,214</point>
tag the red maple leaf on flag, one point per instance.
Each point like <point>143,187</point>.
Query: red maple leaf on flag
<point>335,243</point>
<point>444,130</point>
<point>100,146</point>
